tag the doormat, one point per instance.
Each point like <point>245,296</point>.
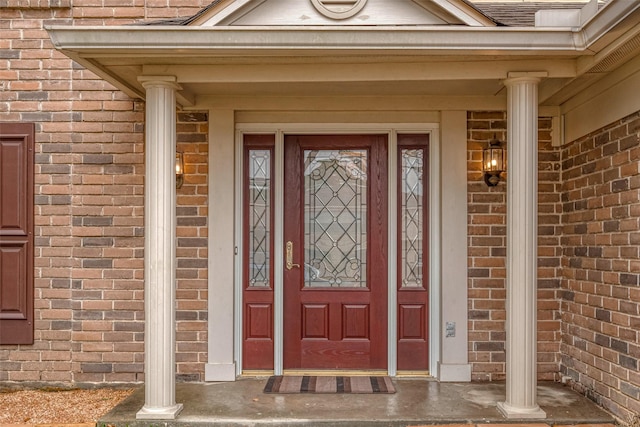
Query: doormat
<point>327,385</point>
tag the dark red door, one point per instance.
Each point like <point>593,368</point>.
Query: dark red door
<point>16,233</point>
<point>335,234</point>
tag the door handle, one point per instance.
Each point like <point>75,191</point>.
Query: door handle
<point>289,256</point>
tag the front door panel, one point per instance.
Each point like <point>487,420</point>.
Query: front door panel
<point>335,233</point>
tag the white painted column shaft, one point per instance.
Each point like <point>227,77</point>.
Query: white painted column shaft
<point>159,250</point>
<point>522,244</point>
<point>454,362</point>
<point>221,363</point>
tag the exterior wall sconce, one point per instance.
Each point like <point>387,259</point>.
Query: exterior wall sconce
<point>493,162</point>
<point>179,169</point>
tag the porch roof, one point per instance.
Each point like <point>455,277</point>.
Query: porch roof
<point>429,61</point>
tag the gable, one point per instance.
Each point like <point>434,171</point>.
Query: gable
<point>342,12</point>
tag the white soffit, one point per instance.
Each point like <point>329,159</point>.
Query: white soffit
<point>370,12</point>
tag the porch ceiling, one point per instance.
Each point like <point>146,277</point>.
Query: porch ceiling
<point>325,76</point>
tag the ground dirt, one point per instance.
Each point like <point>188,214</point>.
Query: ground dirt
<point>58,406</point>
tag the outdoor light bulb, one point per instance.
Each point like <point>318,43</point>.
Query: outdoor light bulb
<point>179,164</point>
<point>179,170</point>
<point>494,162</point>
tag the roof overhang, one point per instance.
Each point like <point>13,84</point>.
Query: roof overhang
<point>226,58</point>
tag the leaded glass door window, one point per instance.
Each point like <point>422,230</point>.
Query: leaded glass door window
<point>335,218</point>
<point>259,212</point>
<point>411,219</point>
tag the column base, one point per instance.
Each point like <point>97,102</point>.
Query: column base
<point>514,412</point>
<point>154,413</point>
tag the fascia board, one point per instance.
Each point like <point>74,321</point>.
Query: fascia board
<point>234,11</point>
<point>186,41</point>
<point>219,12</point>
<point>609,23</point>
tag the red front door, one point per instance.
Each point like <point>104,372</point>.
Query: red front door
<point>335,234</point>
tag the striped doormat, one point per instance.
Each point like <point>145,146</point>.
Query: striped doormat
<point>322,384</point>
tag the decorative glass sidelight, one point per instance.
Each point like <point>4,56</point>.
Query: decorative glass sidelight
<point>412,217</point>
<point>335,218</point>
<point>259,211</point>
<point>413,252</point>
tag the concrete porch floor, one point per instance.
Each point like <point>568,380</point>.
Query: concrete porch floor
<point>416,402</point>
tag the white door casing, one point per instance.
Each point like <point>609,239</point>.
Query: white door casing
<point>448,356</point>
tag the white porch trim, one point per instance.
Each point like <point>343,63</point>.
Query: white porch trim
<point>392,248</point>
<point>160,250</point>
<point>454,360</point>
<point>452,364</point>
<point>221,359</point>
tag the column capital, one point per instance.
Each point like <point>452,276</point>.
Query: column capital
<point>515,77</point>
<point>159,81</point>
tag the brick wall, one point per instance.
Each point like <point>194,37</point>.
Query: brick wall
<point>89,280</point>
<point>89,209</point>
<point>191,292</point>
<point>601,264</point>
<point>487,253</point>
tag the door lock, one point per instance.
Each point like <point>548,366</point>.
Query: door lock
<point>289,256</point>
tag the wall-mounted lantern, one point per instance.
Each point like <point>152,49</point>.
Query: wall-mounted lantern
<point>493,162</point>
<point>179,169</point>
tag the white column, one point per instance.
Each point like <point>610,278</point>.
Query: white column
<point>221,364</point>
<point>522,247</point>
<point>160,250</point>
